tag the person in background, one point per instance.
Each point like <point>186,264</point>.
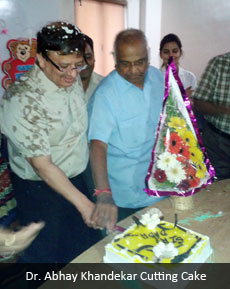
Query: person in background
<point>171,46</point>
<point>14,242</point>
<point>90,81</point>
<point>44,117</point>
<point>211,98</point>
<point>124,113</point>
<point>89,78</point>
<point>11,242</point>
<point>7,200</point>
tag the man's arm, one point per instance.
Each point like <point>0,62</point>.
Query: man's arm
<point>57,180</point>
<point>209,108</point>
<point>203,97</point>
<point>105,212</point>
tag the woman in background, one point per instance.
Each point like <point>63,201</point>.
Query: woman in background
<point>171,46</point>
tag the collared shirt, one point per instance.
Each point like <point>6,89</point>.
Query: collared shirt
<point>95,79</point>
<point>187,78</point>
<point>125,118</point>
<point>40,119</point>
<point>214,87</point>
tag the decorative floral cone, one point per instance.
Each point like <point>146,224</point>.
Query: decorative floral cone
<point>179,165</point>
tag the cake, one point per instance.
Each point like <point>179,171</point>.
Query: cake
<point>152,240</point>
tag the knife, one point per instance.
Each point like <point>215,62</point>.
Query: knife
<point>119,228</point>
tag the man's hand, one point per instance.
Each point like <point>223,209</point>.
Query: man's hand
<point>189,92</point>
<point>105,213</point>
<point>86,209</point>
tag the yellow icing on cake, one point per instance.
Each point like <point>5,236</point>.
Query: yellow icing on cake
<point>136,243</point>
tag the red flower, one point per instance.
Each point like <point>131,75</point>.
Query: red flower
<point>184,151</point>
<point>194,182</point>
<point>173,140</point>
<point>190,171</point>
<point>159,175</point>
<point>175,145</point>
<point>184,185</point>
<point>192,179</point>
<point>182,160</point>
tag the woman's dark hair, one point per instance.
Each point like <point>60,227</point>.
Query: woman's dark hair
<point>170,38</point>
<point>89,41</point>
<point>60,36</point>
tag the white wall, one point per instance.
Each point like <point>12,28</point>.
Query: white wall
<point>132,14</point>
<point>153,28</point>
<point>146,15</point>
<point>101,21</point>
<point>203,27</point>
<point>23,18</point>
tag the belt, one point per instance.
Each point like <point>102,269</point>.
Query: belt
<point>219,132</point>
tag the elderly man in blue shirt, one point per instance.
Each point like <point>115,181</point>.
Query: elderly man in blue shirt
<point>124,113</point>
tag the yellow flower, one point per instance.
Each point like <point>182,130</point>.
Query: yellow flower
<point>200,170</point>
<point>188,137</point>
<point>177,122</point>
<point>180,131</point>
<point>195,155</point>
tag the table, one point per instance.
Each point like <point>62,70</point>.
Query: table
<point>210,216</point>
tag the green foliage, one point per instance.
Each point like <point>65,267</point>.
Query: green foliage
<point>165,185</point>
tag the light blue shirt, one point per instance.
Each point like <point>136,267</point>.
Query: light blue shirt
<point>125,118</point>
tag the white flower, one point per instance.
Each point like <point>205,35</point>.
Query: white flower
<point>166,160</point>
<point>154,211</point>
<point>150,221</point>
<point>151,218</point>
<point>175,174</point>
<point>161,250</point>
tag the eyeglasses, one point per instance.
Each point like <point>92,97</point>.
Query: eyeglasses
<point>78,68</point>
